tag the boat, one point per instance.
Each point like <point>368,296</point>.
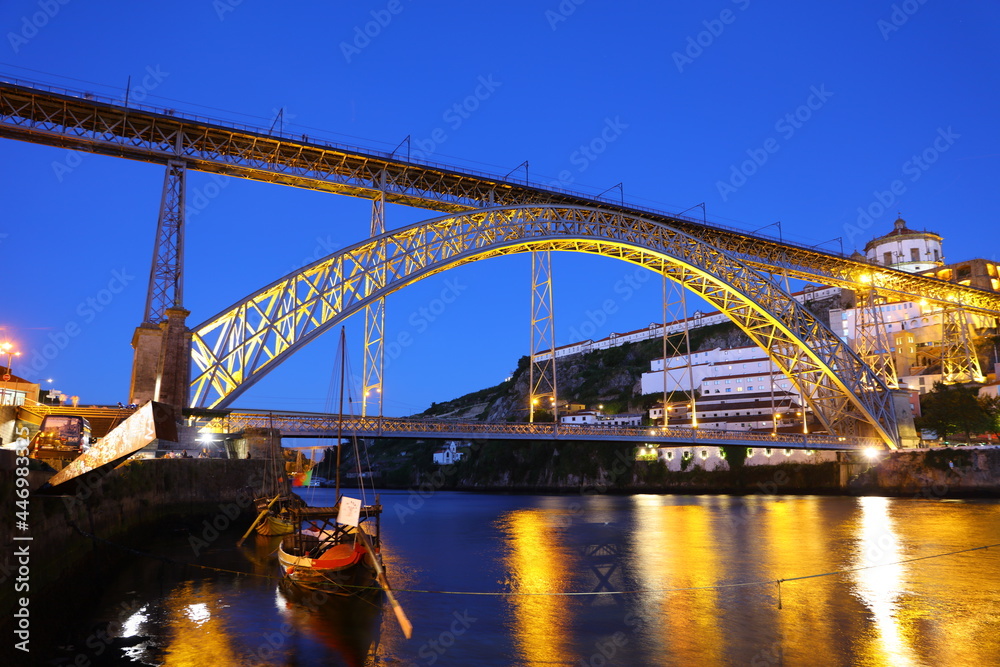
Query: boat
<point>335,557</point>
<point>275,500</point>
<point>338,550</point>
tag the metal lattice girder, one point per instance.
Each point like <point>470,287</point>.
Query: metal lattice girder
<point>166,276</point>
<point>237,347</point>
<point>542,369</point>
<point>80,121</point>
<point>959,361</point>
<point>374,358</point>
<point>871,336</point>
<point>674,345</point>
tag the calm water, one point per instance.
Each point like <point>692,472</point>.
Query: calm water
<point>943,611</point>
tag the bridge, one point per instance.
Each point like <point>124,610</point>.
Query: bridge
<point>315,425</point>
<point>211,364</point>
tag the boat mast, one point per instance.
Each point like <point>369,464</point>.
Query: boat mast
<point>340,415</point>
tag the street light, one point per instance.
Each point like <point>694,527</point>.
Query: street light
<point>777,416</point>
<point>7,348</point>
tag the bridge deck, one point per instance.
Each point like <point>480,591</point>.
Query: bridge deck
<point>82,121</point>
<point>313,425</point>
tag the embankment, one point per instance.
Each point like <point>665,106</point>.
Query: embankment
<point>114,504</point>
<point>538,467</point>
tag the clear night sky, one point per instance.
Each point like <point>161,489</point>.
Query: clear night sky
<point>834,100</point>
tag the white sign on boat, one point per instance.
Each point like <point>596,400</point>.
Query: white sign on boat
<point>350,511</point>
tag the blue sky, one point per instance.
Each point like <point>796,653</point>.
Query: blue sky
<point>800,112</point>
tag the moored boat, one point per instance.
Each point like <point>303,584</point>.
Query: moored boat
<point>328,555</point>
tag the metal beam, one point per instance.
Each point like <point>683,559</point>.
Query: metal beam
<point>166,275</point>
<point>542,356</point>
<point>81,121</point>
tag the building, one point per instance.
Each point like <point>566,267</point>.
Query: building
<point>905,249</point>
<point>597,418</point>
<point>16,390</point>
<point>981,273</point>
<point>679,459</point>
<point>654,330</point>
<point>449,453</point>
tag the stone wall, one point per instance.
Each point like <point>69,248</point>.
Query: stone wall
<point>109,504</point>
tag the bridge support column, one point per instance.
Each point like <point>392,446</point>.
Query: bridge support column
<point>161,365</point>
<point>908,436</point>
<point>542,363</point>
<point>155,362</point>
<point>959,361</point>
<point>374,358</point>
<point>871,337</point>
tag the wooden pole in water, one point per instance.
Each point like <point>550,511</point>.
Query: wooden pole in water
<point>397,609</point>
<point>258,519</point>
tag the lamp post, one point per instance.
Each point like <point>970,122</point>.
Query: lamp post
<point>7,348</point>
<point>777,416</point>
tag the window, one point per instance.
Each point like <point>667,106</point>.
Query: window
<point>914,255</point>
<point>887,258</point>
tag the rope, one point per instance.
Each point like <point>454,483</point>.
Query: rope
<point>636,591</point>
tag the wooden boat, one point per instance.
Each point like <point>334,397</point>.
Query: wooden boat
<point>275,524</point>
<point>333,557</point>
<point>338,550</point>
<point>276,519</point>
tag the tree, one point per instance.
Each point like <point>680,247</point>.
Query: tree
<point>990,406</point>
<point>951,409</point>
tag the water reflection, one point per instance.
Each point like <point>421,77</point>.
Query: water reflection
<point>674,546</point>
<point>198,627</point>
<point>347,626</point>
<point>537,564</point>
<point>881,588</point>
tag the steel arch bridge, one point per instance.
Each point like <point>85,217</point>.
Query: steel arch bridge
<point>237,347</point>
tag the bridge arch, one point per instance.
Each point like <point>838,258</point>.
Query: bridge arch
<point>235,348</point>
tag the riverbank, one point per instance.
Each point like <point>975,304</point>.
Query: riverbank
<point>613,468</point>
<point>202,496</point>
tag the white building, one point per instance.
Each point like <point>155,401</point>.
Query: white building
<point>906,249</point>
<point>448,454</point>
<point>596,418</point>
<point>655,330</point>
<point>713,458</point>
<point>719,371</point>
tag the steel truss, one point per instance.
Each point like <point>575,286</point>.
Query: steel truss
<point>240,345</point>
<point>542,368</point>
<point>374,358</point>
<point>81,121</point>
<point>959,361</point>
<point>166,276</point>
<point>871,337</point>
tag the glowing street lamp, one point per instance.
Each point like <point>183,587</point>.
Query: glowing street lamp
<point>777,416</point>
<point>7,348</point>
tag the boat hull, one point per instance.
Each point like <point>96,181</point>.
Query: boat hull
<point>344,569</point>
<point>272,526</point>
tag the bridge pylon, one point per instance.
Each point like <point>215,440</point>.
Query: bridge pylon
<point>959,361</point>
<point>162,343</point>
<point>542,363</point>
<point>374,356</point>
<point>871,337</point>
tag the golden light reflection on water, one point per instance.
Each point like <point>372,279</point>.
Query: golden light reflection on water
<point>674,547</point>
<point>881,588</point>
<point>537,562</point>
<point>197,626</point>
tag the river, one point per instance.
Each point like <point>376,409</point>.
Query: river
<point>664,580</point>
